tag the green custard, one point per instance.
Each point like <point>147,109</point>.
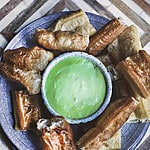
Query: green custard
<point>75,88</point>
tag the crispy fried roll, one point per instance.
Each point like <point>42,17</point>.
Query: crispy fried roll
<point>108,123</point>
<point>105,59</point>
<point>34,58</point>
<point>142,112</point>
<point>114,143</point>
<point>26,110</point>
<point>75,21</point>
<point>30,79</point>
<point>136,70</point>
<point>62,40</point>
<point>126,44</point>
<point>56,134</point>
<point>105,36</point>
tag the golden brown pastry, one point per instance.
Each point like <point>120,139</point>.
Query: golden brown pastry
<point>114,51</point>
<point>114,143</point>
<point>30,79</point>
<point>62,40</point>
<point>34,58</point>
<point>56,134</point>
<point>126,44</point>
<point>108,123</point>
<point>26,110</point>
<point>76,21</point>
<point>114,73</point>
<point>105,36</point>
<point>136,70</point>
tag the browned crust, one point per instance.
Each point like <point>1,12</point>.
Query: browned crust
<point>34,58</point>
<point>62,40</point>
<point>26,110</point>
<point>57,137</point>
<point>30,79</point>
<point>136,70</point>
<point>105,36</point>
<point>108,123</point>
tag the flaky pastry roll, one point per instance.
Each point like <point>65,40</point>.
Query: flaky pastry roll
<point>56,134</point>
<point>115,115</point>
<point>26,110</point>
<point>30,79</point>
<point>105,36</point>
<point>136,70</point>
<point>62,40</point>
<point>35,58</point>
<point>76,21</point>
<point>126,44</point>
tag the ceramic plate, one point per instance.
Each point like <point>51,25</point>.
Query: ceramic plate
<point>28,140</point>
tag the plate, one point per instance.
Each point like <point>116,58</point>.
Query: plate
<point>28,140</point>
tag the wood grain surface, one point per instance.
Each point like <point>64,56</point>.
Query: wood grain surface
<point>15,14</point>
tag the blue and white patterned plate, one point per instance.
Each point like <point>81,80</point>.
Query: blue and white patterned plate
<point>28,140</point>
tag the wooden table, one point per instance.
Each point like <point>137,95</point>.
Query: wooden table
<point>15,14</point>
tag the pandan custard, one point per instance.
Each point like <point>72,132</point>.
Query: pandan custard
<point>75,88</point>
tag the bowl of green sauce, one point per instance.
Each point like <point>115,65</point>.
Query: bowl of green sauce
<point>77,86</point>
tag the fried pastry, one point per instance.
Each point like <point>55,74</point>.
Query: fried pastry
<point>108,123</point>
<point>105,59</point>
<point>142,112</point>
<point>30,79</point>
<point>132,118</point>
<point>34,58</point>
<point>136,70</point>
<point>62,40</point>
<point>114,143</point>
<point>76,21</point>
<point>126,44</point>
<point>121,89</point>
<point>86,29</point>
<point>114,51</point>
<point>56,134</point>
<point>105,36</point>
<point>26,109</point>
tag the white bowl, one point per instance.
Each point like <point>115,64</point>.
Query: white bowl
<point>95,61</point>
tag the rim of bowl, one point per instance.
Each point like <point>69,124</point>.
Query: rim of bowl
<point>95,61</point>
